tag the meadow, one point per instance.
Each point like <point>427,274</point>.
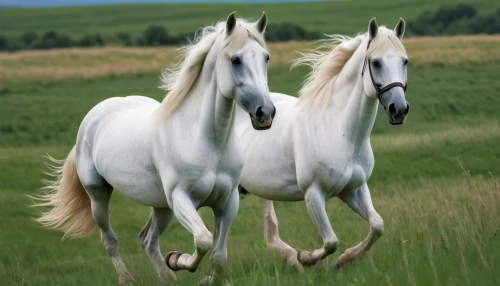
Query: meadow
<point>442,221</point>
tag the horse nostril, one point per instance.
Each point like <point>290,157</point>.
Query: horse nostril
<point>407,109</point>
<point>259,114</point>
<point>392,109</point>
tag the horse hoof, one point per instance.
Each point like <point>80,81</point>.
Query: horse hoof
<point>336,265</point>
<point>126,279</point>
<point>171,260</point>
<point>305,263</point>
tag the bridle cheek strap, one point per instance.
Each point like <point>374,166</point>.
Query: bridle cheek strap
<point>377,87</point>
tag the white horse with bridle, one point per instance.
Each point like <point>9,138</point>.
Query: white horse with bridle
<point>319,146</point>
<point>176,157</point>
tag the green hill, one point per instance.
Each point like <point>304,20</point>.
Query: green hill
<point>326,17</point>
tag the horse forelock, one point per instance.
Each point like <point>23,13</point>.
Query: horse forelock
<point>386,39</point>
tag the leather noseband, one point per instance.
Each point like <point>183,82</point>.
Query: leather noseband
<point>377,87</point>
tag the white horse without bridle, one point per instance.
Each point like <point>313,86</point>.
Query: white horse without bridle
<point>176,156</point>
<point>319,146</point>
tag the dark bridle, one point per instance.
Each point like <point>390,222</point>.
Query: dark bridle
<point>377,86</point>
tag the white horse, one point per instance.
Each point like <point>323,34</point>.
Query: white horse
<point>176,156</point>
<point>319,146</point>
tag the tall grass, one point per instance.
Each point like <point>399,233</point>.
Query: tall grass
<point>442,231</point>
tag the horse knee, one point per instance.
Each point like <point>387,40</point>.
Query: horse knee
<point>378,228</point>
<point>331,246</point>
<point>203,241</point>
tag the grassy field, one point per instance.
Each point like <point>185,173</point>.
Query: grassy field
<point>345,17</point>
<point>442,225</point>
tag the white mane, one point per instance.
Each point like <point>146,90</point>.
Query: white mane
<point>179,79</point>
<point>329,59</point>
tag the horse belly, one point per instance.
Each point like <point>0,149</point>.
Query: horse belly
<point>142,187</point>
<point>128,169</point>
<point>275,183</point>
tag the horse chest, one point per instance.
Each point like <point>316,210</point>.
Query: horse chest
<point>349,169</point>
<point>212,176</point>
<point>211,188</point>
<point>358,177</point>
<point>344,179</point>
<point>342,172</point>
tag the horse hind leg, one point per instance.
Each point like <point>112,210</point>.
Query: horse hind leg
<point>187,215</point>
<point>150,241</point>
<point>273,239</point>
<point>361,202</point>
<point>100,193</point>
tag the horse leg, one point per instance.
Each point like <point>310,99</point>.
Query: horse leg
<point>273,239</point>
<point>315,202</point>
<point>224,216</point>
<point>150,241</point>
<point>187,215</point>
<point>361,202</point>
<point>100,192</point>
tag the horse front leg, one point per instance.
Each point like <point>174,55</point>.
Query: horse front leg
<point>224,216</point>
<point>361,202</point>
<point>187,215</point>
<point>315,202</point>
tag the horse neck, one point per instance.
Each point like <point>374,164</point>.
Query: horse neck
<point>212,111</point>
<point>350,106</point>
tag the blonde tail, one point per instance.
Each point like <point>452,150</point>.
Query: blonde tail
<point>68,202</point>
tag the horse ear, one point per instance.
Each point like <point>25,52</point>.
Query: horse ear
<point>262,23</point>
<point>400,28</point>
<point>373,28</point>
<point>230,23</point>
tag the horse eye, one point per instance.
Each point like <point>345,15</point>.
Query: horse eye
<point>376,63</point>
<point>405,62</point>
<point>267,58</point>
<point>236,60</point>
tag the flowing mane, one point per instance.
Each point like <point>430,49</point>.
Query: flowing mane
<point>328,60</point>
<point>179,79</point>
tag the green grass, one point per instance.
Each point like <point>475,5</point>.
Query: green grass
<point>439,230</point>
<point>344,17</point>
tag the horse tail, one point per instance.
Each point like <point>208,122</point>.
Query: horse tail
<point>68,203</point>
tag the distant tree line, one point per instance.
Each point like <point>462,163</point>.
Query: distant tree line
<point>49,40</point>
<point>152,36</point>
<point>448,20</point>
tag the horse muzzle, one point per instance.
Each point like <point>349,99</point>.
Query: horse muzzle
<point>261,120</point>
<point>395,106</point>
